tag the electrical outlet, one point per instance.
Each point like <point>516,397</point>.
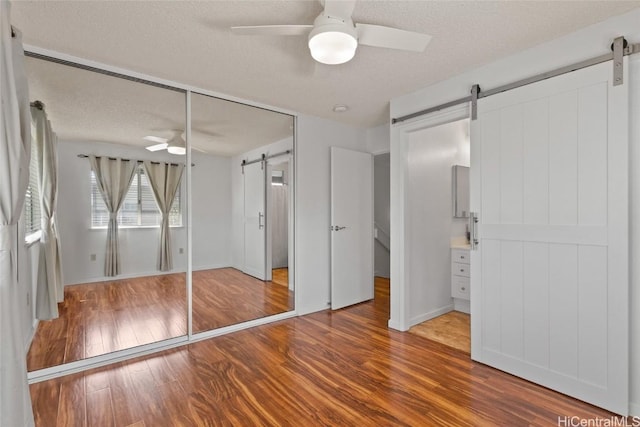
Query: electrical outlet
<point>181,250</point>
<point>93,257</point>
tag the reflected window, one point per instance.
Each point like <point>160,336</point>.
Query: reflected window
<point>32,198</point>
<point>139,208</point>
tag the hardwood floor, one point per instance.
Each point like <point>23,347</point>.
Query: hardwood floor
<point>280,276</point>
<point>225,296</point>
<point>342,368</point>
<point>99,318</point>
<point>452,329</point>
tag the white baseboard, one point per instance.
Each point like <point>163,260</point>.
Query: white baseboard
<point>430,315</point>
<point>634,409</point>
<point>123,277</point>
<point>211,267</point>
<point>301,311</point>
<point>145,274</point>
<point>463,305</point>
<point>393,324</point>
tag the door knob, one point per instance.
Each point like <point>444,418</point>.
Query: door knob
<point>337,228</point>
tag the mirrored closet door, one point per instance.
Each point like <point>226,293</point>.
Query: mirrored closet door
<point>242,195</point>
<point>121,214</point>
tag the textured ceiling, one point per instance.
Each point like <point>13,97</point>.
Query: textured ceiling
<point>190,42</point>
<point>88,106</point>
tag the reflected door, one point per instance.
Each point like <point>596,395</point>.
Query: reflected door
<point>254,221</point>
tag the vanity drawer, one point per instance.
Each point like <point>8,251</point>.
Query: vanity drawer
<point>460,255</point>
<point>460,287</point>
<point>459,269</point>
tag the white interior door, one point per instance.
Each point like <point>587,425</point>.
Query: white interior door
<point>549,279</point>
<point>255,244</point>
<point>351,227</point>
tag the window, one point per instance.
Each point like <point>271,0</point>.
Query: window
<point>32,199</point>
<point>139,208</point>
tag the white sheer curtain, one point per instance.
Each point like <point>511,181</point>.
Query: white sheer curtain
<point>15,151</point>
<point>113,178</point>
<point>50,290</point>
<point>164,179</point>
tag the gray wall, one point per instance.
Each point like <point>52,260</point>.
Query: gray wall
<point>381,203</point>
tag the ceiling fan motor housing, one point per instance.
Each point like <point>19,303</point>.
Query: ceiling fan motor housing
<point>333,40</point>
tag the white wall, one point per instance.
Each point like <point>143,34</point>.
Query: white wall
<point>381,211</point>
<point>315,137</point>
<point>583,44</point>
<point>211,206</point>
<point>432,153</point>
<point>378,139</point>
<point>278,218</point>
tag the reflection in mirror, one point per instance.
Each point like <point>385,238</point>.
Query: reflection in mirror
<point>242,215</point>
<point>460,191</point>
<point>119,292</point>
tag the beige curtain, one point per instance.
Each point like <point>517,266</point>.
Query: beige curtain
<point>50,290</point>
<point>113,177</point>
<point>164,179</point>
<point>15,151</point>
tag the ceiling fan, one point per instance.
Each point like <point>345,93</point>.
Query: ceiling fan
<point>174,145</point>
<point>333,37</point>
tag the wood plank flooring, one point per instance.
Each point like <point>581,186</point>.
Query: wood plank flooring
<point>452,329</point>
<point>225,296</point>
<point>99,318</point>
<point>342,368</point>
<point>280,276</point>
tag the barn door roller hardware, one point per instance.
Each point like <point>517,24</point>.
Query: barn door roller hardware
<point>263,159</point>
<point>620,48</point>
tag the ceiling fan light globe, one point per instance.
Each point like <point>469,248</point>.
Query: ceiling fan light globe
<point>180,151</point>
<point>332,47</point>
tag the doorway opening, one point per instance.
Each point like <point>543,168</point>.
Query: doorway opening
<point>279,211</point>
<point>438,189</point>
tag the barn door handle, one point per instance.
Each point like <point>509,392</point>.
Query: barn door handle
<point>473,228</point>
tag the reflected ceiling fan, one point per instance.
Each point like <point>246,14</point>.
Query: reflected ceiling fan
<point>174,145</point>
<point>334,38</point>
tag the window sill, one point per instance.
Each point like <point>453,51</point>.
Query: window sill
<point>33,238</point>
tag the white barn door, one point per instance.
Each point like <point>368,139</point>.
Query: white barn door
<point>255,244</point>
<point>549,278</point>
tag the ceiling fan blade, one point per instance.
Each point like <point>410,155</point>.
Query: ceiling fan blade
<point>272,30</point>
<point>157,147</point>
<point>339,8</point>
<point>158,139</point>
<point>392,38</point>
<point>198,149</point>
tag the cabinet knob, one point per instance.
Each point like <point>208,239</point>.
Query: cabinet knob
<point>463,289</point>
